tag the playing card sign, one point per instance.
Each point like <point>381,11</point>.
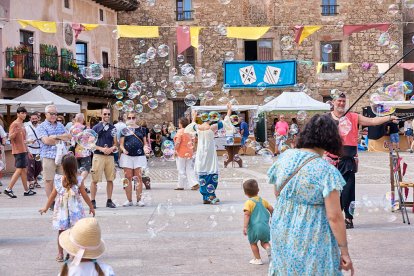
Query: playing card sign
<point>248,74</point>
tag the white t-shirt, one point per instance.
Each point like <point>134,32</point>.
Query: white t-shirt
<point>35,147</point>
<point>2,132</point>
<point>407,125</point>
<point>88,269</point>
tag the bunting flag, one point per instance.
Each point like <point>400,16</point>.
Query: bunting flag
<point>382,67</point>
<point>183,39</point>
<point>78,28</point>
<point>302,32</point>
<point>349,29</point>
<point>132,31</point>
<point>408,66</point>
<point>194,33</point>
<point>44,26</point>
<point>342,66</point>
<point>319,67</point>
<point>253,33</point>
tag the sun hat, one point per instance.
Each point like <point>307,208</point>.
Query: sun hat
<point>83,240</point>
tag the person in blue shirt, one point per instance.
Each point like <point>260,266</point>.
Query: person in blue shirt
<point>244,132</point>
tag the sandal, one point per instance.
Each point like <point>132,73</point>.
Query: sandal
<point>37,185</point>
<point>349,224</point>
<point>31,186</point>
<point>195,187</point>
<point>214,200</point>
<point>59,258</point>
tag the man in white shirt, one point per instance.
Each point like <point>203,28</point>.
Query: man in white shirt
<point>33,144</point>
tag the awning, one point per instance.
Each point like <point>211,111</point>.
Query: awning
<point>224,108</point>
<point>294,101</point>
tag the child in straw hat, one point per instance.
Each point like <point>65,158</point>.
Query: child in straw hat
<point>68,207</point>
<point>83,242</point>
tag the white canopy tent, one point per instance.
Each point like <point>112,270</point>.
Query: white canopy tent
<point>40,94</point>
<point>294,101</point>
<point>28,104</point>
<point>224,107</point>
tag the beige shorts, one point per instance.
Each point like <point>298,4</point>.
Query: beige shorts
<point>50,169</point>
<point>103,163</point>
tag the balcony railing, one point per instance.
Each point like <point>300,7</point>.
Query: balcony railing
<point>329,10</point>
<point>184,15</point>
<point>57,69</point>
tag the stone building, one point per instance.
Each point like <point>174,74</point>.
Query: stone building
<point>282,15</point>
<point>32,57</point>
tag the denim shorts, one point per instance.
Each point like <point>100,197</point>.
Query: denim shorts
<point>409,132</point>
<point>394,138</point>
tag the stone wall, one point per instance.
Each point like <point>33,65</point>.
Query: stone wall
<point>357,48</point>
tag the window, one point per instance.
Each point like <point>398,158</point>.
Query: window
<point>105,60</point>
<point>332,57</point>
<point>81,54</point>
<point>25,36</point>
<point>258,50</point>
<point>101,15</point>
<point>183,10</point>
<point>329,7</point>
<point>66,4</point>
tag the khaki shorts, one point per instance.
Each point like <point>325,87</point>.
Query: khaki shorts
<point>103,163</point>
<point>50,169</point>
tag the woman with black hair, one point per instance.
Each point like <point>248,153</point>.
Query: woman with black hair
<point>308,230</point>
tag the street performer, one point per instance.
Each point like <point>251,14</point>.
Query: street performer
<point>347,163</point>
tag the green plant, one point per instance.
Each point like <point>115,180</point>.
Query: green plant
<point>47,76</point>
<point>49,56</point>
<point>21,49</point>
<point>102,84</point>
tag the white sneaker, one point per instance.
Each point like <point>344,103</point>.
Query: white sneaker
<point>269,251</point>
<point>256,261</point>
<point>128,203</point>
<point>140,203</point>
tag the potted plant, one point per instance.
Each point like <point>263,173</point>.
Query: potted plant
<point>19,53</point>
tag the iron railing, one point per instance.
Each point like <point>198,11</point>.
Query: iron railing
<point>56,68</point>
<point>184,15</point>
<point>329,10</point>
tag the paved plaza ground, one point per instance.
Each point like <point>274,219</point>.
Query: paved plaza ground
<point>201,239</point>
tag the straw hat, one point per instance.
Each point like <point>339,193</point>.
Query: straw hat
<point>85,236</point>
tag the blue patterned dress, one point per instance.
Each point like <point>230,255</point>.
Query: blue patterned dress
<point>301,238</point>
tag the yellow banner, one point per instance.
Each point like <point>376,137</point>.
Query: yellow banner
<point>307,31</point>
<point>246,32</point>
<point>138,31</point>
<point>342,66</point>
<point>194,33</point>
<point>319,67</point>
<point>90,27</point>
<point>44,26</point>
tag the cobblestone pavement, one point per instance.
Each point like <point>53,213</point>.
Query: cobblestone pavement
<point>200,239</point>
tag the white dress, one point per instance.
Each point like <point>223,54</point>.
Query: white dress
<point>206,156</point>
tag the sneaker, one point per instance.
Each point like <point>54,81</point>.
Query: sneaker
<point>269,251</point>
<point>93,203</point>
<point>256,261</point>
<point>10,193</point>
<point>30,192</point>
<point>128,203</point>
<point>1,183</point>
<point>110,204</point>
<point>140,203</point>
<point>195,187</point>
<point>411,151</point>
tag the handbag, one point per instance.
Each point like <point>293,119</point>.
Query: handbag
<point>61,151</point>
<point>277,193</point>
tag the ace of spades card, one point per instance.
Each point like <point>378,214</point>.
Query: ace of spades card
<point>272,75</point>
<point>247,74</point>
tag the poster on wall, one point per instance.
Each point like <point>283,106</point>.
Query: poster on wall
<point>252,74</point>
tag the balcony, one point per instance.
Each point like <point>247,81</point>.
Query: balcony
<point>184,15</point>
<point>119,5</point>
<point>60,73</point>
<point>329,10</point>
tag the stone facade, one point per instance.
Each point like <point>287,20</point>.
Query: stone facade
<point>282,15</point>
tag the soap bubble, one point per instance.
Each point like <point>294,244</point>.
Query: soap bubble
<point>143,58</point>
<point>394,47</point>
<point>379,105</point>
<point>119,105</point>
<point>190,100</point>
<point>179,86</point>
<point>133,92</point>
<point>125,182</point>
<point>265,153</point>
<point>31,40</point>
<point>180,58</point>
<point>208,95</point>
<point>283,147</point>
<point>409,4</point>
<point>139,108</point>
<point>167,63</point>
<point>204,117</point>
<point>300,86</point>
<point>354,208</point>
<point>286,42</point>
<point>87,139</point>
<point>163,50</point>
<point>396,91</point>
<point>301,115</point>
<point>268,99</point>
<point>223,100</point>
<point>393,9</point>
<point>118,94</point>
<point>340,24</point>
<point>408,87</point>
<point>293,130</point>
<point>161,96</point>
<point>144,99</point>
<point>163,83</point>
<point>200,48</point>
<point>327,48</point>
<point>344,126</point>
<point>224,2</point>
<point>226,88</point>
<point>122,84</point>
<point>229,56</point>
<point>210,188</point>
<point>141,43</point>
<point>234,119</point>
<point>96,71</point>
<point>261,86</point>
<point>236,157</point>
<point>157,128</point>
<point>384,39</point>
<point>152,103</point>
<point>12,64</point>
<point>129,105</point>
<point>115,34</point>
<point>151,53</point>
<point>76,130</point>
<point>214,116</point>
<point>127,131</point>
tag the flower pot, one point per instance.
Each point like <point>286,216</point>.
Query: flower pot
<point>18,68</point>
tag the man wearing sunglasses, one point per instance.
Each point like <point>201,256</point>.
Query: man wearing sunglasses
<point>103,157</point>
<point>19,150</point>
<point>51,133</point>
<point>33,144</point>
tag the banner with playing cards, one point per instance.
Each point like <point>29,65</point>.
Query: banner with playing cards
<point>271,74</point>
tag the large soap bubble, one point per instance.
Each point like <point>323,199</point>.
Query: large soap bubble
<point>379,105</point>
<point>87,139</point>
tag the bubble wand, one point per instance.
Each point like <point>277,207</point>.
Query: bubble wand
<point>377,80</point>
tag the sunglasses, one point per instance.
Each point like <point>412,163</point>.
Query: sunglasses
<point>59,120</point>
<point>131,118</point>
<point>52,113</point>
<point>106,114</point>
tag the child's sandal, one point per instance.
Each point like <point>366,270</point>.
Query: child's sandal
<point>59,259</point>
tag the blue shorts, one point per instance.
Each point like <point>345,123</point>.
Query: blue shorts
<point>243,140</point>
<point>409,132</point>
<point>394,138</point>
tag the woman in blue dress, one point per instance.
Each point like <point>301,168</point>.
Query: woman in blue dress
<point>307,228</point>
